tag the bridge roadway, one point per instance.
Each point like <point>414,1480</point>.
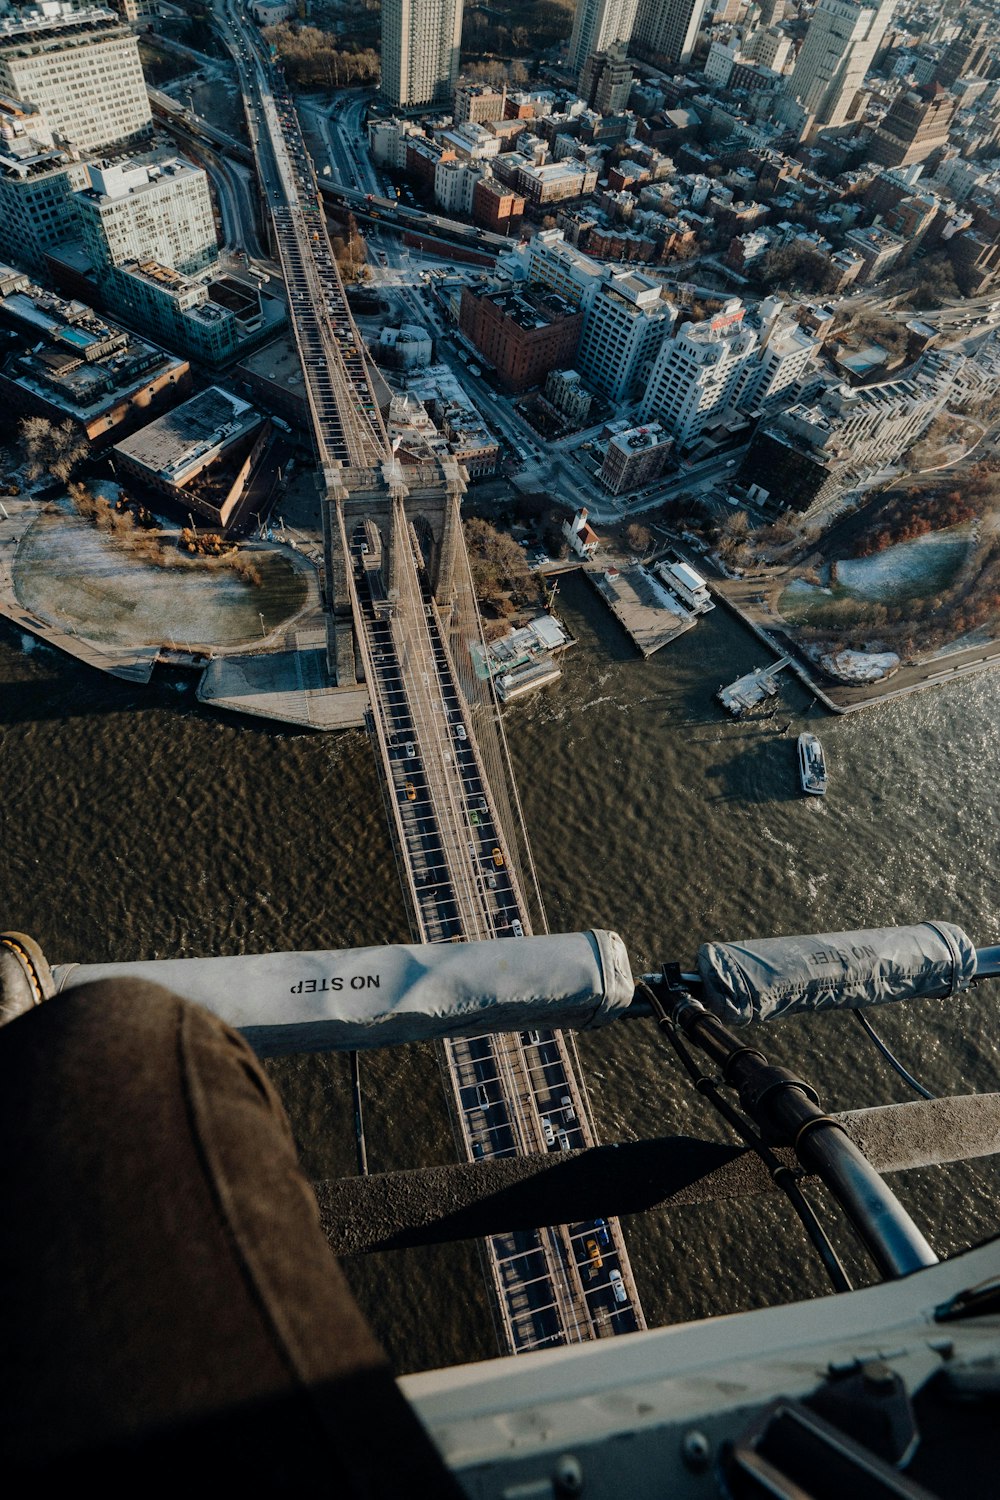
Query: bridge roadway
<point>510,1094</point>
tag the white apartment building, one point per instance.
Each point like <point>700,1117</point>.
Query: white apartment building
<point>836,55</point>
<point>720,62</point>
<point>421,41</point>
<point>81,69</point>
<point>158,211</point>
<point>597,25</point>
<point>770,47</point>
<point>699,372</point>
<point>785,357</point>
<point>470,142</point>
<point>852,434</point>
<point>784,364</point>
<point>454,185</point>
<point>625,321</point>
<point>551,262</point>
<point>669,28</point>
<point>387,141</point>
<point>37,201</point>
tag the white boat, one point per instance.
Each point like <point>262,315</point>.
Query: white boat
<point>812,765</point>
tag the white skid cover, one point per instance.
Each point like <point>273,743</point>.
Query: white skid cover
<point>356,998</point>
<point>757,981</point>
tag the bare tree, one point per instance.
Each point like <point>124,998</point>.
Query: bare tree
<point>49,447</point>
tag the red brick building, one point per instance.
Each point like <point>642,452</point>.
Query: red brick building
<point>523,335</point>
<point>497,207</point>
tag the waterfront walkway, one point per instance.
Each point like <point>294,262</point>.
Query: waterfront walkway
<point>749,599</point>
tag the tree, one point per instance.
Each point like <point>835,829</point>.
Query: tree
<point>498,564</point>
<point>50,447</point>
<point>638,537</point>
<point>797,266</point>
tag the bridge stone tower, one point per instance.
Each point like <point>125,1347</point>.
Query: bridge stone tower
<point>398,499</point>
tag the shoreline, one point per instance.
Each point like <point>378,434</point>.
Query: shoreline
<point>282,678</point>
<point>849,698</point>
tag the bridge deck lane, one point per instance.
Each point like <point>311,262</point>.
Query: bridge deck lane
<point>508,1092</point>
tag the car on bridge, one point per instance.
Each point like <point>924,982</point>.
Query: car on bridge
<point>496,854</point>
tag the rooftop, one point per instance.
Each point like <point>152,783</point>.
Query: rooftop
<point>174,442</point>
<point>39,27</point>
<point>113,180</point>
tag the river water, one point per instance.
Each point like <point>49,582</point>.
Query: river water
<point>137,824</point>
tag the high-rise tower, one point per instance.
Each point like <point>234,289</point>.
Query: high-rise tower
<point>838,51</point>
<point>597,25</point>
<point>421,42</point>
<point>81,69</point>
<point>669,28</point>
<point>914,128</point>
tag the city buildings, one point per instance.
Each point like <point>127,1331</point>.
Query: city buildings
<point>785,359</point>
<point>668,29</point>
<point>635,457</point>
<point>70,362</point>
<point>461,431</point>
<point>914,127</point>
<point>879,249</point>
<point>546,182</point>
<point>626,319</point>
<point>523,334</point>
<point>811,453</point>
<point>597,25</point>
<point>565,391</point>
<point>81,69</point>
<point>38,185</point>
<point>212,323</point>
<point>699,373</point>
<point>408,347</point>
<point>606,80</point>
<point>454,185</point>
<point>837,53</point>
<point>970,54</point>
<point>496,207</point>
<point>158,210</point>
<point>199,455</point>
<point>549,260</point>
<point>421,43</point>
<point>477,103</point>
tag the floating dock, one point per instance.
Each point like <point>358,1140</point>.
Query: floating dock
<point>746,692</point>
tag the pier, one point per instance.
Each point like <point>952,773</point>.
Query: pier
<point>650,616</point>
<point>747,691</point>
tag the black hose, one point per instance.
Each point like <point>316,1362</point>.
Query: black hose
<point>890,1058</point>
<point>782,1176</point>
